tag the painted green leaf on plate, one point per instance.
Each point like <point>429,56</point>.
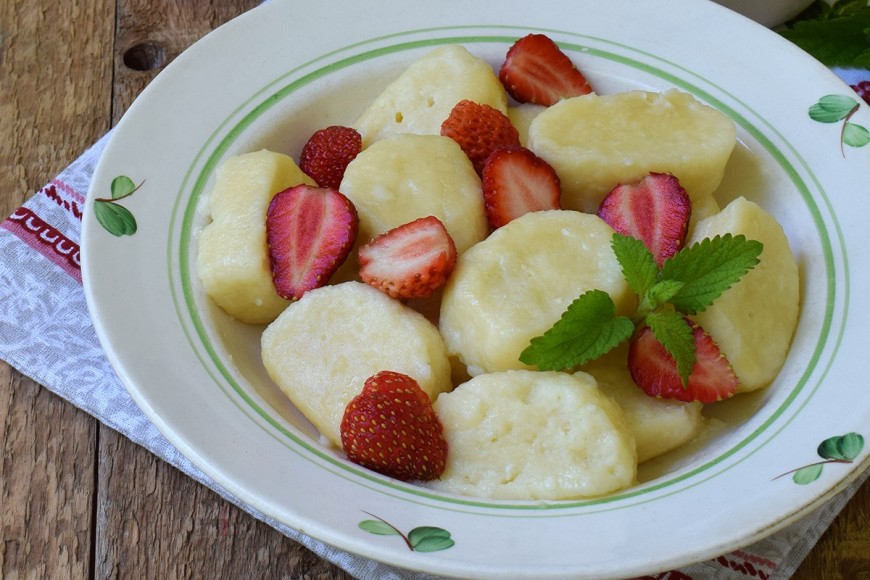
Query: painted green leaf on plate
<point>855,135</point>
<point>832,108</point>
<point>122,186</point>
<point>808,474</point>
<point>116,219</point>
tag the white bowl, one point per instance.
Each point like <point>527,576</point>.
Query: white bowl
<point>273,76</point>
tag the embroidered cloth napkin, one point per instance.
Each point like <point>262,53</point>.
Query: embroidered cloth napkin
<point>47,334</point>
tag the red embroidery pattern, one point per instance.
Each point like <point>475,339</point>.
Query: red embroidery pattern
<point>71,206</point>
<point>672,575</point>
<point>744,567</point>
<point>47,240</point>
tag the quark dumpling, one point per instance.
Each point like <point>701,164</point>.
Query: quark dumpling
<point>596,142</point>
<point>658,425</point>
<point>324,346</point>
<point>754,320</point>
<point>534,435</point>
<point>515,285</point>
<point>233,259</point>
<point>405,177</point>
<point>423,96</point>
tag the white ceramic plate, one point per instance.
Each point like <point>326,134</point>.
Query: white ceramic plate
<point>273,76</point>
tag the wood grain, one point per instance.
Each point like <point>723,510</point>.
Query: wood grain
<point>78,499</point>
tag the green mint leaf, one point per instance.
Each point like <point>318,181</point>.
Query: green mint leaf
<point>836,36</point>
<point>708,268</point>
<point>661,293</point>
<point>638,264</point>
<point>673,331</point>
<point>588,329</point>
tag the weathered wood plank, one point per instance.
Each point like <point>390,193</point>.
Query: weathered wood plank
<point>152,520</point>
<point>54,102</point>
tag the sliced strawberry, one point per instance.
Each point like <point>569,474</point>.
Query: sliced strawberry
<point>410,261</point>
<point>536,71</point>
<point>391,428</point>
<point>515,182</point>
<point>479,130</point>
<point>655,210</point>
<point>327,153</point>
<point>654,370</point>
<point>309,233</point>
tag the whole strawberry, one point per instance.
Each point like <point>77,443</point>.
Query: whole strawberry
<point>391,428</point>
<point>479,130</point>
<point>327,153</point>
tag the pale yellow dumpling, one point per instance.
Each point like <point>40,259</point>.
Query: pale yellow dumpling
<point>405,177</point>
<point>323,347</point>
<point>233,259</point>
<point>516,284</point>
<point>658,425</point>
<point>596,142</point>
<point>754,320</point>
<point>423,96</point>
<point>534,435</point>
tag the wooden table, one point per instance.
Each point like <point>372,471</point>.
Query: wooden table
<point>78,499</point>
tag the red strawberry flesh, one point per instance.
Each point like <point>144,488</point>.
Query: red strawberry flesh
<point>656,210</point>
<point>327,154</point>
<point>391,428</point>
<point>410,261</point>
<point>516,182</point>
<point>654,370</point>
<point>479,130</point>
<point>536,71</point>
<point>309,232</point>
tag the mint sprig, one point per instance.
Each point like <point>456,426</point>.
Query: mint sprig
<point>687,283</point>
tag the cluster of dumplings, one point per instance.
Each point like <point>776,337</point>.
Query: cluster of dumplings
<point>512,432</point>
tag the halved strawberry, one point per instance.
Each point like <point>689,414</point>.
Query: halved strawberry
<point>410,261</point>
<point>515,182</point>
<point>327,153</point>
<point>391,428</point>
<point>654,370</point>
<point>656,210</point>
<point>309,233</point>
<point>479,130</point>
<point>536,71</point>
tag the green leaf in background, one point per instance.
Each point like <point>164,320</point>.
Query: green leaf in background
<point>430,539</point>
<point>842,447</point>
<point>808,474</point>
<point>122,186</point>
<point>832,108</point>
<point>836,35</point>
<point>115,218</point>
<point>855,135</point>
